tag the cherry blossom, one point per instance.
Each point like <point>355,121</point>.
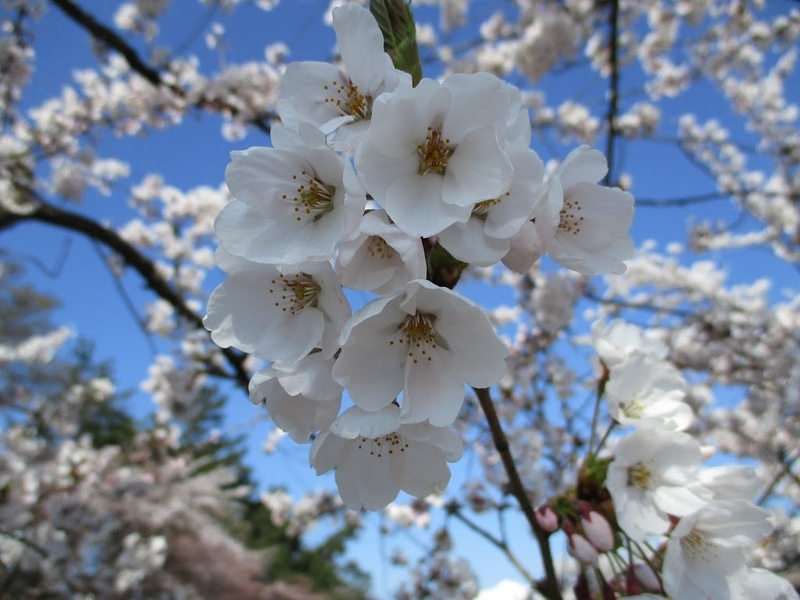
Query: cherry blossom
<point>376,456</point>
<point>379,257</point>
<point>591,234</point>
<point>648,480</point>
<point>301,400</point>
<point>425,342</point>
<point>278,314</point>
<point>434,151</point>
<point>485,237</point>
<point>704,555</point>
<point>294,202</point>
<point>341,100</point>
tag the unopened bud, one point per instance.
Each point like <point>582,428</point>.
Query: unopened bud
<point>547,518</point>
<point>582,549</point>
<point>598,531</point>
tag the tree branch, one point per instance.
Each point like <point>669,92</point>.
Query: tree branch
<point>454,510</point>
<point>549,588</point>
<point>613,91</point>
<point>112,39</point>
<point>52,215</point>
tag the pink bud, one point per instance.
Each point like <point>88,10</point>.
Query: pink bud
<point>598,531</point>
<point>547,518</point>
<point>580,548</point>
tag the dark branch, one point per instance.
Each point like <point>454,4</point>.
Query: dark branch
<point>52,215</point>
<point>111,39</point>
<point>549,588</point>
<point>613,91</point>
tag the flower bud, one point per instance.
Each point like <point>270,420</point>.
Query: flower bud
<point>581,549</point>
<point>547,518</point>
<point>598,531</point>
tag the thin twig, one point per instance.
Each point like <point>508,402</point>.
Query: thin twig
<point>126,299</point>
<point>613,91</point>
<point>549,588</point>
<point>787,467</point>
<point>454,511</point>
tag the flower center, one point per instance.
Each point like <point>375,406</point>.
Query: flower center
<point>293,294</point>
<point>633,408</point>
<point>434,153</point>
<point>378,248</point>
<point>387,445</point>
<point>313,199</point>
<point>348,100</point>
<point>570,219</point>
<point>420,337</point>
<point>481,209</point>
<point>641,476</point>
<point>695,544</point>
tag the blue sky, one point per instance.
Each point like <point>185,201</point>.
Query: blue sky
<point>195,154</point>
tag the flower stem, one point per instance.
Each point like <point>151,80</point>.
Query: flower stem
<point>549,588</point>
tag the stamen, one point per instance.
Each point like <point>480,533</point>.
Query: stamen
<point>481,209</point>
<point>294,293</point>
<point>348,100</point>
<point>378,248</point>
<point>434,153</point>
<point>641,476</point>
<point>387,445</point>
<point>570,221</point>
<point>314,199</point>
<point>696,545</point>
<point>420,337</point>
<point>633,408</point>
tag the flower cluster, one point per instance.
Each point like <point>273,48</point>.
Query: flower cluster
<point>700,520</point>
<point>454,182</point>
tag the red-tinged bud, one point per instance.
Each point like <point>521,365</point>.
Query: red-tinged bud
<point>598,531</point>
<point>547,518</point>
<point>582,549</point>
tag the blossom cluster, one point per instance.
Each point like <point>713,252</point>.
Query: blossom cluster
<point>701,520</point>
<point>378,185</point>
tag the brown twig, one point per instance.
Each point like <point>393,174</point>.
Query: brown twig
<point>549,588</point>
<point>454,510</point>
<point>613,91</point>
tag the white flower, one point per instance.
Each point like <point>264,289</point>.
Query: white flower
<point>426,342</point>
<point>525,248</point>
<point>646,393</point>
<point>280,314</point>
<point>302,400</point>
<point>375,456</point>
<point>729,482</point>
<point>762,584</point>
<point>338,100</point>
<point>704,552</point>
<point>591,233</point>
<point>294,202</point>
<point>434,151</point>
<point>485,237</point>
<point>379,257</point>
<point>618,340</point>
<point>648,480</point>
